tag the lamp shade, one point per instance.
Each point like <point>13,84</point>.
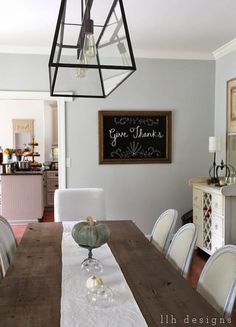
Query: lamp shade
<point>214,144</point>
<point>91,52</point>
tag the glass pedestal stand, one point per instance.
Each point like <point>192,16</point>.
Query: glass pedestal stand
<point>91,266</point>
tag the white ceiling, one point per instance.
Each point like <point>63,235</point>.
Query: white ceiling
<point>158,28</point>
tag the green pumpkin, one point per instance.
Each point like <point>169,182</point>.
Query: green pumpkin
<point>90,234</point>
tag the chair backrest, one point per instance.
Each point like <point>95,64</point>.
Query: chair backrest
<point>163,230</point>
<point>4,263</point>
<point>7,239</point>
<point>79,203</point>
<point>181,248</point>
<point>217,282</point>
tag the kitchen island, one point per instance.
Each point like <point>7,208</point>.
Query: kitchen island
<point>21,196</point>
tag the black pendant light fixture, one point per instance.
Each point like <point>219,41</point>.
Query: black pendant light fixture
<point>91,53</point>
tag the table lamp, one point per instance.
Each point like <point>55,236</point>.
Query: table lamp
<point>214,146</point>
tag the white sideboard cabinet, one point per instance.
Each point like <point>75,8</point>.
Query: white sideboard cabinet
<point>214,214</point>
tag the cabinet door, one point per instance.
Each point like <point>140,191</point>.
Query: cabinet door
<point>197,216</point>
<point>197,198</point>
<point>52,184</point>
<point>218,226</point>
<point>197,220</point>
<point>44,191</point>
<point>52,174</point>
<point>199,242</point>
<point>50,198</point>
<point>218,204</point>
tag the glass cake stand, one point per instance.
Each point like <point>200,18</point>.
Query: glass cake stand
<point>91,266</point>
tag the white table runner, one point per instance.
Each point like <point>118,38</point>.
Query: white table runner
<point>75,309</point>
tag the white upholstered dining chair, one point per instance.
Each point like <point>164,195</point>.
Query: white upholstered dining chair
<point>7,239</point>
<point>4,263</point>
<point>79,203</point>
<point>163,230</point>
<point>217,282</point>
<point>180,251</point>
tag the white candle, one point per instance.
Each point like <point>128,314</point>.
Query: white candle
<point>214,144</point>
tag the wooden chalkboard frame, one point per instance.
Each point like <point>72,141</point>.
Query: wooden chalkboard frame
<point>147,155</point>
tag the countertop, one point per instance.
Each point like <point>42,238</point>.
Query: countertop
<point>28,172</point>
<point>23,173</point>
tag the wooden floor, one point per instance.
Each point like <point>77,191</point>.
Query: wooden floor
<point>19,230</point>
<point>198,262</point>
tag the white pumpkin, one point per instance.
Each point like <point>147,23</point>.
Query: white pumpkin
<point>94,282</point>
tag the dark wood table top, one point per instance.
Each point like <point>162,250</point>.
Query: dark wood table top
<point>30,294</point>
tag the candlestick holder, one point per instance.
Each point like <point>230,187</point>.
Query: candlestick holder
<point>214,146</point>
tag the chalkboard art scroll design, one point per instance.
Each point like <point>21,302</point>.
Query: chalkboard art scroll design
<point>134,137</point>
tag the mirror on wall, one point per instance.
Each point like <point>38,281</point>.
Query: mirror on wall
<point>231,150</point>
<point>22,140</point>
<point>23,132</point>
<point>231,123</point>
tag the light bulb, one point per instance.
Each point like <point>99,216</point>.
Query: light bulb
<point>124,55</point>
<point>80,71</point>
<point>89,41</point>
<point>89,45</point>
<point>125,59</point>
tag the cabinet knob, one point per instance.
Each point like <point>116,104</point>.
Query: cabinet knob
<point>216,205</point>
<point>195,198</point>
<point>216,226</point>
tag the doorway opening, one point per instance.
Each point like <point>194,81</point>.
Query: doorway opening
<point>60,104</point>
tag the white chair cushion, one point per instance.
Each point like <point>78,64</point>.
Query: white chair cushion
<point>181,248</point>
<point>163,229</point>
<point>7,240</point>
<point>161,232</point>
<point>217,282</point>
<point>4,263</point>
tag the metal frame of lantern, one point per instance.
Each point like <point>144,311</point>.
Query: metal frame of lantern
<point>55,62</point>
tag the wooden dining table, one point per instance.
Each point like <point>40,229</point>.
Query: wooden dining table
<point>30,294</point>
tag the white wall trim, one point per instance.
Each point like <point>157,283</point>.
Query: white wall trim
<point>61,104</point>
<point>182,55</point>
<point>24,50</point>
<point>62,142</point>
<point>139,53</point>
<point>225,49</point>
<point>28,95</point>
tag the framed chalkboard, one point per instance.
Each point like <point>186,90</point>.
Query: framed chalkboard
<point>127,137</point>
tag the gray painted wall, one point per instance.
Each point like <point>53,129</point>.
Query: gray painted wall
<point>139,192</point>
<point>225,70</point>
